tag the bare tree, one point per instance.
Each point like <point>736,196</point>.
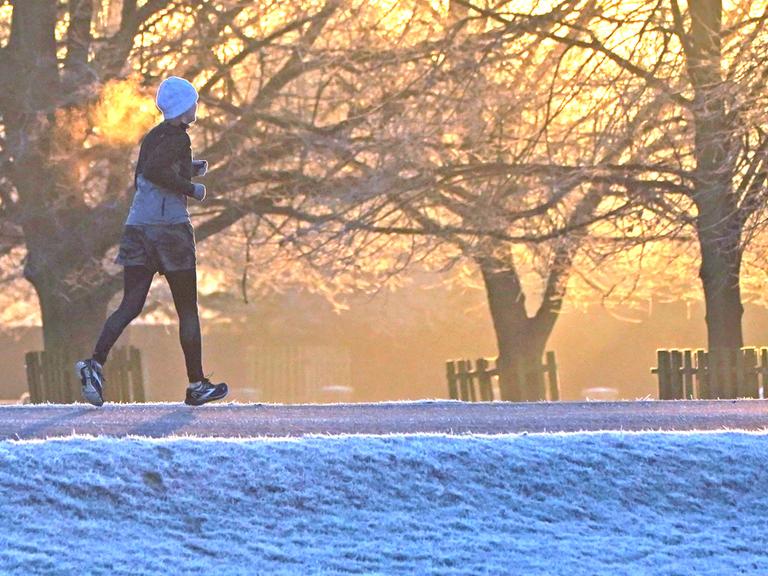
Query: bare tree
<point>705,144</point>
<point>497,167</point>
<point>68,222</point>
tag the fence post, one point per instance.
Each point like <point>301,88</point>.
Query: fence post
<point>688,371</point>
<point>471,382</point>
<point>484,380</point>
<point>463,391</point>
<point>553,387</point>
<point>137,375</point>
<point>739,380</point>
<point>764,372</point>
<point>716,369</point>
<point>675,375</point>
<point>664,370</point>
<point>34,381</point>
<point>52,394</point>
<point>703,374</point>
<point>748,386</point>
<point>450,372</point>
<point>494,372</point>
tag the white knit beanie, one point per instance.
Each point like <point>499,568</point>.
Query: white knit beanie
<point>175,96</point>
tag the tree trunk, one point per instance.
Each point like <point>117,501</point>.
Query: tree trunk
<point>720,270</point>
<point>520,339</point>
<point>72,318</point>
<point>719,223</point>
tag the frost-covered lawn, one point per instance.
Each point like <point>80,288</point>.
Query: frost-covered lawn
<point>571,504</point>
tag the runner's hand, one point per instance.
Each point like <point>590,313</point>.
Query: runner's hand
<point>199,167</point>
<point>199,193</point>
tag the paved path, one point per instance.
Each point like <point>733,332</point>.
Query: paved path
<point>244,420</point>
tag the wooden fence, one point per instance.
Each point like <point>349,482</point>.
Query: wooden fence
<point>698,374</point>
<point>300,373</point>
<point>473,384</point>
<point>51,377</point>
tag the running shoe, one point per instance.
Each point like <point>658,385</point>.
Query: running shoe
<point>205,391</point>
<point>91,375</point>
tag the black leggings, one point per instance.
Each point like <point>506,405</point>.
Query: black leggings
<point>137,280</point>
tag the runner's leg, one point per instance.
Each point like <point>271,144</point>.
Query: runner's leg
<point>183,285</point>
<point>136,283</point>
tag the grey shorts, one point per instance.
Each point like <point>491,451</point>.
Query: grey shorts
<point>160,247</point>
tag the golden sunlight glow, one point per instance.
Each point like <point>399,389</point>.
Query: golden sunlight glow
<point>229,49</point>
<point>209,280</point>
<point>393,19</point>
<point>271,20</point>
<point>397,17</point>
<point>5,23</point>
<point>124,113</point>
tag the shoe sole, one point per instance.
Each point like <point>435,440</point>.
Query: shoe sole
<point>90,394</point>
<point>206,400</point>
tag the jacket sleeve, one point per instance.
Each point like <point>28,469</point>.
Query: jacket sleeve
<point>159,167</point>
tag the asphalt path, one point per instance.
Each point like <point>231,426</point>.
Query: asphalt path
<point>438,416</point>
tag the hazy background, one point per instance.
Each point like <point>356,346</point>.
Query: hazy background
<point>392,346</point>
<point>395,183</point>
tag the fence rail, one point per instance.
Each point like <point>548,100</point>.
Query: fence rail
<point>476,383</point>
<point>701,374</point>
<point>51,377</point>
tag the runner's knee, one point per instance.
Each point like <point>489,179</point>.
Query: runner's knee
<point>127,311</point>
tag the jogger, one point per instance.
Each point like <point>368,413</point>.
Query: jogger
<point>159,237</point>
